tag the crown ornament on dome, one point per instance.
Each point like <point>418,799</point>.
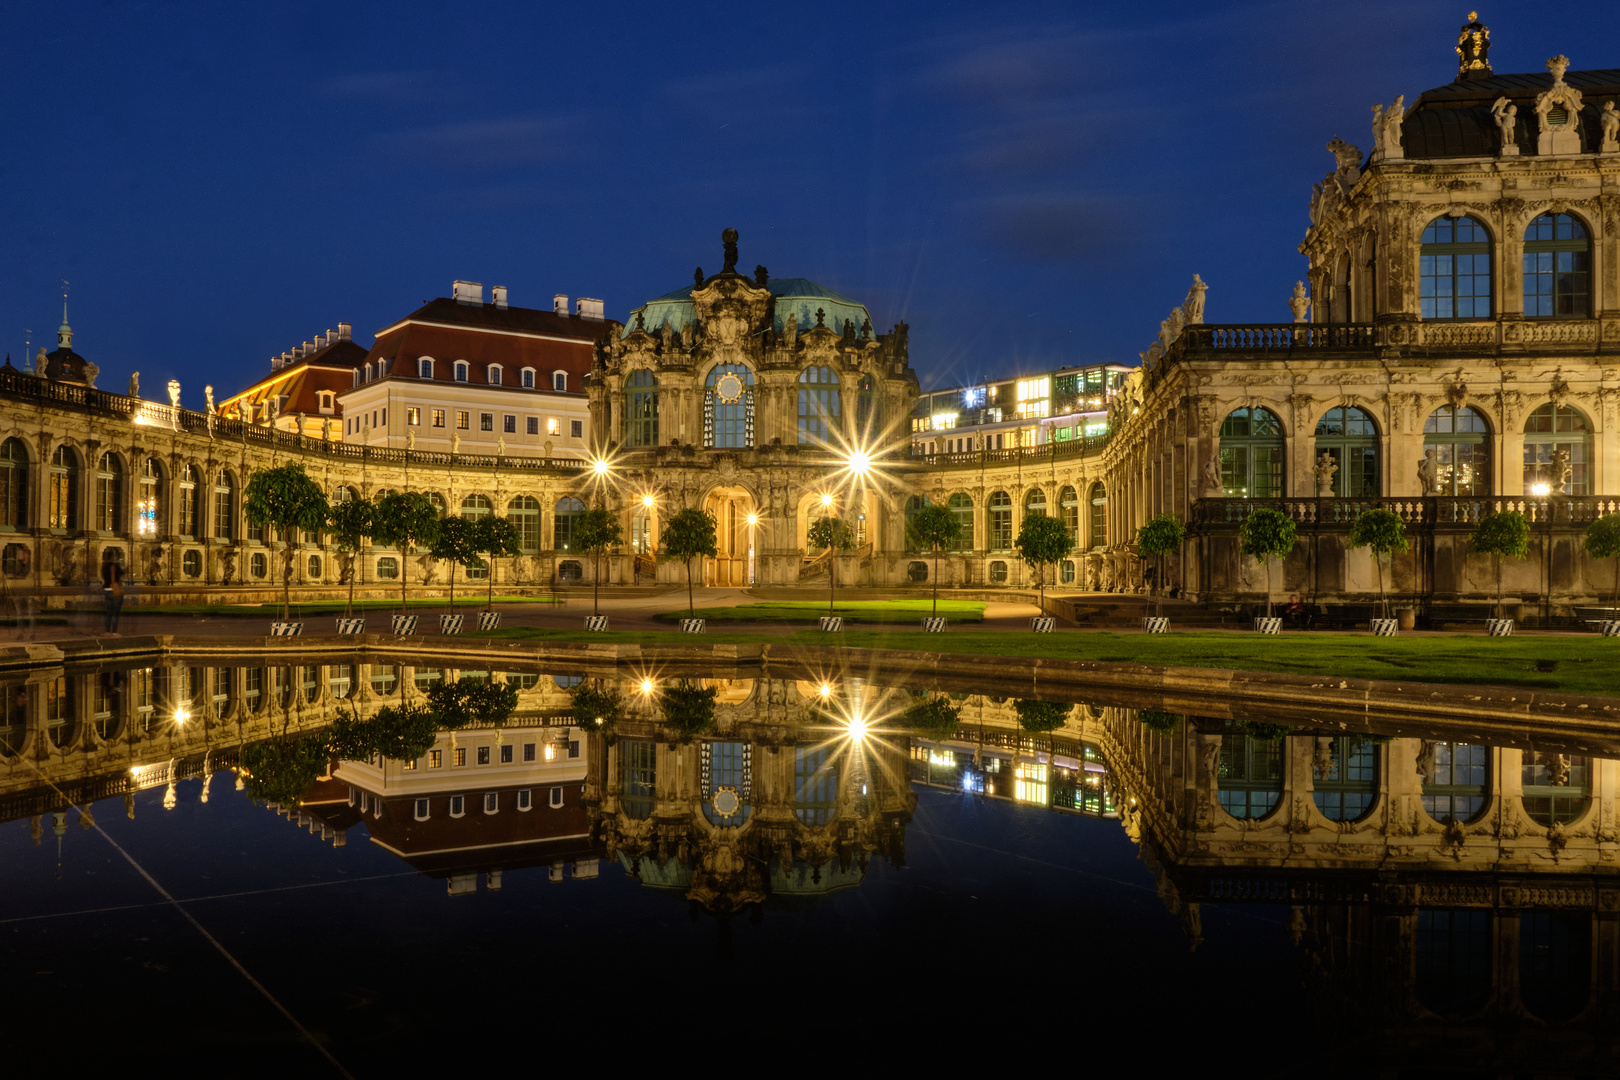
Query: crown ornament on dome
<point>1473,50</point>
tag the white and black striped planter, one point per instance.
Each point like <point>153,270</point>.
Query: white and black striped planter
<point>451,624</point>
<point>1272,625</point>
<point>347,625</point>
<point>286,629</point>
<point>1042,624</point>
<point>1609,627</point>
<point>1384,627</point>
<point>489,620</point>
<point>692,626</point>
<point>1499,627</point>
<point>934,624</point>
<point>596,622</point>
<point>403,625</point>
<point>832,623</point>
<point>1156,624</point>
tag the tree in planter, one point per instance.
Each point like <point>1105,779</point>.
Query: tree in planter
<point>496,537</point>
<point>457,543</point>
<point>1504,534</point>
<point>595,531</point>
<point>1043,541</point>
<point>405,520</point>
<point>1603,542</point>
<point>350,524</point>
<point>1382,531</point>
<point>1161,536</point>
<point>1159,721</point>
<point>472,700</point>
<point>400,733</point>
<point>286,499</point>
<point>1039,717</point>
<point>281,769</point>
<point>1267,534</point>
<point>685,536</point>
<point>934,529</point>
<point>934,716</point>
<point>688,710</point>
<point>596,707</point>
<point>835,535</point>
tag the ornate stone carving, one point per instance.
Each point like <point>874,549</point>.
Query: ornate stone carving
<point>1299,303</point>
<point>1506,115</point>
<point>1558,110</point>
<point>1610,123</point>
<point>1193,306</point>
<point>1428,471</point>
<point>1387,130</point>
<point>1325,468</point>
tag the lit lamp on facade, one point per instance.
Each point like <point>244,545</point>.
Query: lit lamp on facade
<point>1541,491</point>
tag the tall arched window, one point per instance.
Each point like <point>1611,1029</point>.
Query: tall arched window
<point>961,504</point>
<point>524,512</point>
<point>1000,510</point>
<point>1557,268</point>
<point>638,775</point>
<point>1249,775</point>
<point>13,485</point>
<point>149,509</point>
<point>1035,502</point>
<point>1099,516</point>
<point>1548,430</point>
<point>187,485</point>
<point>815,784</point>
<point>1454,270</point>
<point>1461,442</point>
<point>728,407</point>
<point>1556,786</point>
<point>1252,455</point>
<point>868,410</point>
<point>474,507</point>
<point>641,409</point>
<point>1454,780</point>
<point>914,506</point>
<point>818,406</point>
<point>1351,438</point>
<point>1069,511</point>
<point>225,506</point>
<point>1347,792</point>
<point>110,494</point>
<point>63,512</point>
<point>569,511</point>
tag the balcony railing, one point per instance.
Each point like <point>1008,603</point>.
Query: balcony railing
<point>1434,510</point>
<point>1441,334</point>
<point>1027,455</point>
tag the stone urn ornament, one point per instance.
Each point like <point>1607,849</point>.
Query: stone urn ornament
<point>1300,304</point>
<point>1326,467</point>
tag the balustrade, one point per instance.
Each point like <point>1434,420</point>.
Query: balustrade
<point>1432,510</point>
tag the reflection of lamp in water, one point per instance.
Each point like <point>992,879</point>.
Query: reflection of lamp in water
<point>826,690</point>
<point>753,520</point>
<point>857,727</point>
<point>181,715</point>
<point>646,687</point>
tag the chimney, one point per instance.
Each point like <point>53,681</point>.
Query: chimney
<point>297,352</point>
<point>468,292</point>
<point>309,348</point>
<point>320,342</point>
<point>275,363</point>
<point>559,303</point>
<point>590,309</point>
<point>345,331</point>
<point>497,293</point>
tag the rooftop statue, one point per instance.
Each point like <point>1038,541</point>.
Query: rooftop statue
<point>1506,115</point>
<point>1193,306</point>
<point>1609,120</point>
<point>729,238</point>
<point>135,384</point>
<point>1299,303</point>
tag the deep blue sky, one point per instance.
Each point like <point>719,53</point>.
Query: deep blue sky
<point>1026,184</point>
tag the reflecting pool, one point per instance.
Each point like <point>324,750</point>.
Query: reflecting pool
<point>372,868</point>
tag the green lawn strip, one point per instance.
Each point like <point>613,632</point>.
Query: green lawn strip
<point>1585,665</point>
<point>317,607</point>
<point>853,611</point>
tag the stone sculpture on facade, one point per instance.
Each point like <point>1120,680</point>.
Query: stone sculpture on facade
<point>1325,468</point>
<point>174,393</point>
<point>1428,470</point>
<point>1558,108</point>
<point>1348,157</point>
<point>134,384</point>
<point>1193,306</point>
<point>1300,304</point>
<point>410,438</point>
<point>1212,476</point>
<point>1387,130</point>
<point>90,373</point>
<point>455,444</point>
<point>1561,471</point>
<point>500,446</point>
<point>1609,120</point>
<point>1506,115</point>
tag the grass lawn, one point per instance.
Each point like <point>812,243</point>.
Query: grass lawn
<point>317,607</point>
<point>1582,665</point>
<point>853,611</point>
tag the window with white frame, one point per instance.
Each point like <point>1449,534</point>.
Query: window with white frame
<point>524,801</point>
<point>528,378</point>
<point>494,374</point>
<point>483,755</point>
<point>424,368</point>
<point>413,415</point>
<point>506,753</point>
<point>492,802</point>
<point>553,425</point>
<point>576,429</point>
<point>458,805</point>
<point>556,798</point>
<point>462,370</point>
<point>559,380</point>
<point>421,809</point>
<point>528,751</point>
<point>356,380</point>
<point>509,425</point>
<point>534,425</point>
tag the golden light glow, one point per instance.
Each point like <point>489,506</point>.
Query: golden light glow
<point>826,690</point>
<point>647,687</point>
<point>857,727</point>
<point>826,499</point>
<point>648,501</point>
<point>753,519</point>
<point>600,466</point>
<point>1541,490</point>
<point>181,715</point>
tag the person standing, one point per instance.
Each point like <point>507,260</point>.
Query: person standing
<point>112,592</point>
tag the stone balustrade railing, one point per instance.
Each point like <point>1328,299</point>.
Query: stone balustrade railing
<point>1026,455</point>
<point>1577,510</point>
<point>1489,335</point>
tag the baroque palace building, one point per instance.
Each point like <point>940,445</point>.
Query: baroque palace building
<point>1453,353</point>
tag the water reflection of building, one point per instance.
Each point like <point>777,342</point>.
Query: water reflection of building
<point>777,802</point>
<point>1441,891</point>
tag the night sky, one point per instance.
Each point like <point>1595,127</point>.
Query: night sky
<point>1027,185</point>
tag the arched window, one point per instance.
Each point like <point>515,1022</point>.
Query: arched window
<point>1548,430</point>
<point>461,370</point>
<point>1454,781</point>
<point>728,407</point>
<point>815,784</point>
<point>1000,510</point>
<point>726,782</point>
<point>64,508</point>
<point>1454,270</point>
<point>225,505</point>
<point>528,378</point>
<point>961,504</point>
<point>569,511</point>
<point>1347,792</point>
<point>1350,437</point>
<point>1461,443</point>
<point>868,410</point>
<point>1555,962</point>
<point>818,406</point>
<point>188,502</point>
<point>1069,511</point>
<point>1099,516</point>
<point>1035,502</point>
<point>494,374</point>
<point>914,506</point>
<point>149,508</point>
<point>343,493</point>
<point>524,512</point>
<point>559,381</point>
<point>424,368</point>
<point>638,774</point>
<point>641,409</point>
<point>474,507</point>
<point>1252,455</point>
<point>1557,268</point>
<point>1249,775</point>
<point>13,485</point>
<point>438,502</point>
<point>110,494</point>
<point>1556,786</point>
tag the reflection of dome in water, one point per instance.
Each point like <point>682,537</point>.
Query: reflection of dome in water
<point>800,885</point>
<point>794,296</point>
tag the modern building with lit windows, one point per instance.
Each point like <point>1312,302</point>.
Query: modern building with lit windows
<point>1066,405</point>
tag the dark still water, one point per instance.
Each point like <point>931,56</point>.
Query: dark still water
<point>780,865</point>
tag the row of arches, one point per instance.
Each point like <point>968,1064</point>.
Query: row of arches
<point>108,509</point>
<point>1086,517</point>
<point>729,408</point>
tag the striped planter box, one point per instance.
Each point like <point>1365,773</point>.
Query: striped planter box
<point>351,626</point>
<point>596,622</point>
<point>831,623</point>
<point>692,626</point>
<point>404,625</point>
<point>1156,624</point>
<point>1042,624</point>
<point>934,624</point>
<point>286,629</point>
<point>1609,627</point>
<point>451,624</point>
<point>1384,627</point>
<point>1268,626</point>
<point>1499,627</point>
<point>489,620</point>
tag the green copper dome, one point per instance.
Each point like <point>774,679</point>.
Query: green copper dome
<point>794,296</point>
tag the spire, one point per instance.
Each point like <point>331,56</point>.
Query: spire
<point>64,333</point>
<point>1473,50</point>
